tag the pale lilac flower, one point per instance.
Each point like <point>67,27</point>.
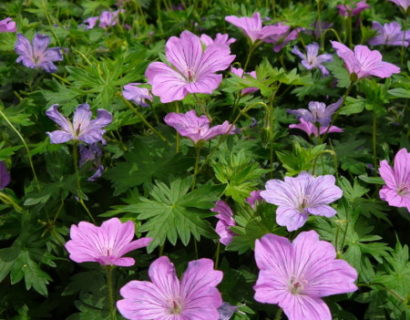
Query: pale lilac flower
<point>405,4</point>
<point>91,22</point>
<point>226,221</point>
<point>396,190</point>
<point>240,73</point>
<point>109,18</point>
<point>364,62</point>
<point>191,69</point>
<point>347,11</point>
<point>318,112</point>
<point>4,175</point>
<point>36,54</point>
<point>254,198</point>
<point>220,39</point>
<point>311,59</point>
<point>106,244</point>
<point>82,128</point>
<point>251,26</point>
<point>296,275</point>
<point>310,128</point>
<point>298,197</point>
<point>137,94</point>
<point>7,25</point>
<point>390,34</point>
<point>165,297</point>
<point>226,311</point>
<point>196,128</point>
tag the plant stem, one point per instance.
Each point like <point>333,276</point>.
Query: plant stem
<point>217,253</point>
<point>197,154</point>
<point>251,50</point>
<point>278,315</point>
<point>374,139</point>
<point>110,292</point>
<point>10,201</point>
<point>25,146</point>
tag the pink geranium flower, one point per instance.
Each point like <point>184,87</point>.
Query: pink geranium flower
<point>296,275</point>
<point>298,197</point>
<point>311,129</point>
<point>240,73</point>
<point>190,68</point>
<point>396,191</point>
<point>226,221</point>
<point>196,128</point>
<point>405,4</point>
<point>254,198</point>
<point>348,11</point>
<point>7,25</point>
<point>220,39</point>
<point>364,62</point>
<point>106,244</point>
<point>251,26</point>
<point>166,297</point>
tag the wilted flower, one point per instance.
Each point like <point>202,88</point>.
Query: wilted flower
<point>310,128</point>
<point>396,191</point>
<point>137,94</point>
<point>92,153</point>
<point>192,69</point>
<point>254,198</point>
<point>82,128</point>
<point>220,39</point>
<point>37,54</point>
<point>319,27</point>
<point>405,4</point>
<point>7,25</point>
<point>281,35</point>
<point>390,34</point>
<point>4,175</point>
<point>364,62</point>
<point>226,221</point>
<point>106,244</point>
<point>196,128</point>
<point>226,311</point>
<point>318,112</point>
<point>240,73</point>
<point>166,297</point>
<point>298,197</point>
<point>347,11</point>
<point>296,275</point>
<point>311,59</point>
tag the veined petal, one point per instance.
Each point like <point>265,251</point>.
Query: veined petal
<point>162,274</point>
<point>298,307</point>
<point>58,118</point>
<point>81,119</point>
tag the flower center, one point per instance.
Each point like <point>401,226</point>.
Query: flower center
<point>175,306</point>
<point>190,75</point>
<point>403,190</point>
<point>296,286</point>
<point>303,204</point>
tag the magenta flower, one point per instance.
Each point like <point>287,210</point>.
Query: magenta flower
<point>296,275</point>
<point>166,297</point>
<point>106,244</point>
<point>36,54</point>
<point>196,128</point>
<point>4,175</point>
<point>7,25</point>
<point>240,73</point>
<point>396,191</point>
<point>390,34</point>
<point>82,128</point>
<point>191,68</point>
<point>405,4</point>
<point>251,26</point>
<point>298,197</point>
<point>310,128</point>
<point>226,221</point>
<point>364,62</point>
<point>311,59</point>
<point>137,94</point>
<point>347,11</point>
<point>254,198</point>
<point>220,39</point>
<point>318,112</point>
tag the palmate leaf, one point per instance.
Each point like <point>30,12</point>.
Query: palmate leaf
<point>173,212</point>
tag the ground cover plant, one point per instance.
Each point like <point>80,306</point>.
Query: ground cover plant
<point>204,160</point>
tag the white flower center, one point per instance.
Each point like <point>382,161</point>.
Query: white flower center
<point>296,285</point>
<point>175,306</point>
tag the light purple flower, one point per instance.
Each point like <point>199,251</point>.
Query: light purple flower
<point>298,197</point>
<point>82,128</point>
<point>347,11</point>
<point>137,94</point>
<point>405,4</point>
<point>251,26</point>
<point>220,39</point>
<point>7,25</point>
<point>240,73</point>
<point>311,59</point>
<point>106,244</point>
<point>91,22</point>
<point>191,68</point>
<point>310,128</point>
<point>109,18</point>
<point>396,191</point>
<point>36,54</point>
<point>364,62</point>
<point>226,221</point>
<point>196,128</point>
<point>390,34</point>
<point>226,311</point>
<point>296,275</point>
<point>4,175</point>
<point>165,297</point>
<point>254,198</point>
<point>318,112</point>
